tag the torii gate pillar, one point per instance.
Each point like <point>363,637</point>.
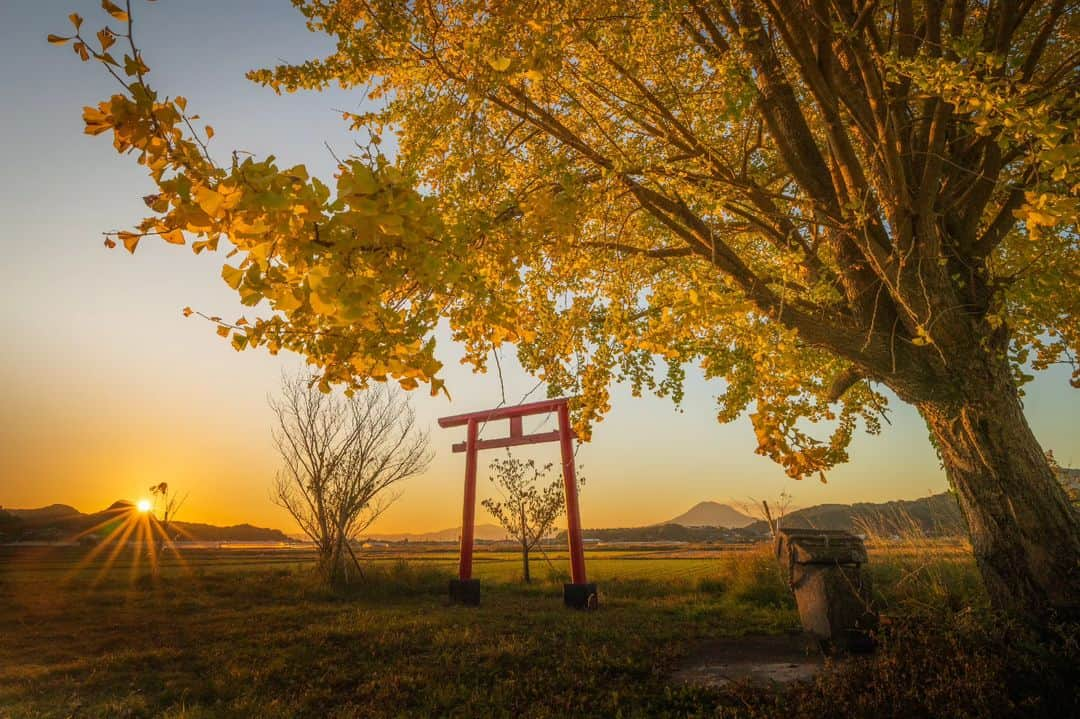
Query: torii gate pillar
<point>579,592</point>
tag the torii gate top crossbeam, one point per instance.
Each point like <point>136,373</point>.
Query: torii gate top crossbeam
<point>514,414</point>
<point>490,415</point>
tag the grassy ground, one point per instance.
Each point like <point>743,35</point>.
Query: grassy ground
<point>208,640</point>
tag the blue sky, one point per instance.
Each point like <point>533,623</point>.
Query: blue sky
<point>108,388</point>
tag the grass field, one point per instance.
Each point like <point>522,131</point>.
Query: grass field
<point>247,633</point>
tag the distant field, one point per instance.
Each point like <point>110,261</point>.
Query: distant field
<point>61,563</point>
<point>661,564</point>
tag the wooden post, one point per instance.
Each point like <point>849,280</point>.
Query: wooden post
<point>573,513</point>
<point>468,513</point>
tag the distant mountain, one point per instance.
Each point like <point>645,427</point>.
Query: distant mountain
<point>936,515</point>
<point>233,533</point>
<point>712,514</point>
<point>672,533</point>
<point>10,526</point>
<point>45,514</point>
<point>61,522</point>
<point>485,532</point>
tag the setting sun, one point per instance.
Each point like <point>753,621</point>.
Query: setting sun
<point>144,505</point>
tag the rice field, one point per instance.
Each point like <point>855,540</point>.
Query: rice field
<point>71,563</point>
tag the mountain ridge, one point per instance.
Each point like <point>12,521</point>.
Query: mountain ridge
<point>936,515</point>
<point>64,522</point>
<point>933,515</point>
<point>711,514</point>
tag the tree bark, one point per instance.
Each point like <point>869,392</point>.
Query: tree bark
<point>525,563</point>
<point>332,565</point>
<point>1024,533</point>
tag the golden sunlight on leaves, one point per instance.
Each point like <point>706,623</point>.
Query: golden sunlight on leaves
<point>114,10</point>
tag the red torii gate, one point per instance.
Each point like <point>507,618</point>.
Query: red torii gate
<point>578,593</point>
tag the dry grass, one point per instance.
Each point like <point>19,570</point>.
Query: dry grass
<point>917,571</point>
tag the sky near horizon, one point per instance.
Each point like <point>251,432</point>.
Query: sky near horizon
<point>108,389</point>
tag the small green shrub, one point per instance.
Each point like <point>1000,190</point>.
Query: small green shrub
<point>755,578</point>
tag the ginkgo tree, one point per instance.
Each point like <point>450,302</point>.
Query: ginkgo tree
<point>812,200</point>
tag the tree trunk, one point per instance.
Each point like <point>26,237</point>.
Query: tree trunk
<point>525,563</point>
<point>331,566</point>
<point>1024,533</point>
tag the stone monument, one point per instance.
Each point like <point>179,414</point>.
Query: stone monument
<point>825,571</point>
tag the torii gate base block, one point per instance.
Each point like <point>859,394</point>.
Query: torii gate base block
<point>579,593</point>
<point>575,596</point>
<point>580,596</point>
<point>465,591</point>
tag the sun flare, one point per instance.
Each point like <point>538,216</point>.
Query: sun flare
<point>144,505</point>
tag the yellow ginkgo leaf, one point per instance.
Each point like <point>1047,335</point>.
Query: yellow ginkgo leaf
<point>256,227</point>
<point>209,200</point>
<point>499,64</point>
<point>328,309</point>
<point>232,275</point>
<point>287,302</point>
<point>115,10</point>
<point>106,39</point>
<point>1036,218</point>
<point>175,237</point>
<point>130,240</point>
<point>317,276</point>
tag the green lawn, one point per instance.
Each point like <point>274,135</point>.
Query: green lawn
<point>208,640</point>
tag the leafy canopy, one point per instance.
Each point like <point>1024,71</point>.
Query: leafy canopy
<point>802,198</point>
